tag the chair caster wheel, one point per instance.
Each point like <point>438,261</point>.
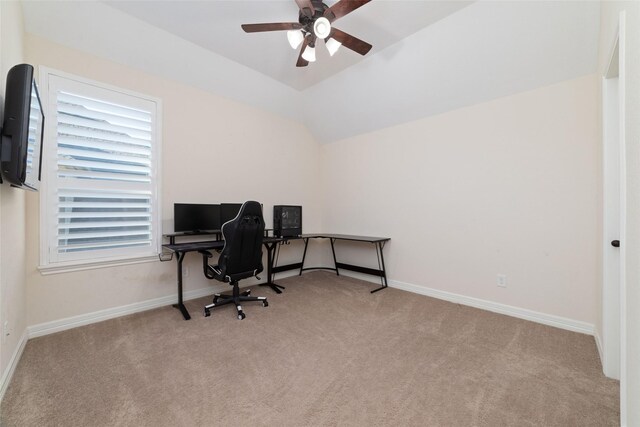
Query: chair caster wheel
<point>241,316</point>
<point>265,303</point>
<point>207,313</point>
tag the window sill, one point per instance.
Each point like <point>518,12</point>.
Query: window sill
<point>70,267</point>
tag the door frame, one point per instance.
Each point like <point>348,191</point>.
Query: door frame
<point>614,294</point>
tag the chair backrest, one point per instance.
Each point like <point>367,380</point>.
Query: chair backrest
<point>241,256</point>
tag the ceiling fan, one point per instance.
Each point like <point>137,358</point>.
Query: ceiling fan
<point>315,22</point>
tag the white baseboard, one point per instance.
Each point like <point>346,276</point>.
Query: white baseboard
<point>13,363</point>
<point>110,313</point>
<point>596,336</point>
<point>521,313</point>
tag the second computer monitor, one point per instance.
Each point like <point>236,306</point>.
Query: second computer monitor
<point>228,211</point>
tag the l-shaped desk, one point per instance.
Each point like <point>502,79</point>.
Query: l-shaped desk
<point>270,243</point>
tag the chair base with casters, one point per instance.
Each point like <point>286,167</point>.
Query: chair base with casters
<point>235,298</point>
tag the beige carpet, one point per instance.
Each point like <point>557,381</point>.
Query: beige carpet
<point>326,352</point>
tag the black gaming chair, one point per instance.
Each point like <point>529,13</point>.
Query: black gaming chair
<point>240,258</point>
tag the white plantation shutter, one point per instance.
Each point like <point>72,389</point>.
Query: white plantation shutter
<point>92,220</point>
<point>102,179</point>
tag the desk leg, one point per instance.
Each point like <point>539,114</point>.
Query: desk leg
<point>180,305</point>
<point>333,251</point>
<point>304,254</point>
<point>270,259</point>
<point>379,247</point>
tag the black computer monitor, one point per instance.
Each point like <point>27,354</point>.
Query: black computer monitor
<point>195,217</point>
<point>228,211</point>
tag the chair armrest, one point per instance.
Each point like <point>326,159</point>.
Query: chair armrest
<point>206,254</point>
<point>206,268</point>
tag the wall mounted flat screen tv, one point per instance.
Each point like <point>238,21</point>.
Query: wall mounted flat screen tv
<point>193,217</point>
<point>22,130</point>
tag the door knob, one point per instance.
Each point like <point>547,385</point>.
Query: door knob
<point>615,243</point>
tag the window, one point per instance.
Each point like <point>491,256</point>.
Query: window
<point>99,197</point>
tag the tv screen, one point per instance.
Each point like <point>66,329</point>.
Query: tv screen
<point>228,211</point>
<point>192,217</point>
<point>22,130</point>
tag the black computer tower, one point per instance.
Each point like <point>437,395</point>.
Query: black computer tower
<point>287,221</point>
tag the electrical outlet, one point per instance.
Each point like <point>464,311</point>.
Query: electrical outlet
<point>502,280</point>
<point>185,271</point>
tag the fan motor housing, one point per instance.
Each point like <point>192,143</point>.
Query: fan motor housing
<point>319,8</point>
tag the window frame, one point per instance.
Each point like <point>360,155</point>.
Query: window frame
<point>48,214</point>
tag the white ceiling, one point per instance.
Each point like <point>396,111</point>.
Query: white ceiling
<point>427,57</point>
<point>215,26</point>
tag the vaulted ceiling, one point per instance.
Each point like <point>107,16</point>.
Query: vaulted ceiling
<point>428,57</point>
<point>215,25</point>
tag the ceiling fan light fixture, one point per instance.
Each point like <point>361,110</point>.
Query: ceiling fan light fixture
<point>309,54</point>
<point>322,28</point>
<point>295,37</point>
<point>315,22</point>
<point>332,46</point>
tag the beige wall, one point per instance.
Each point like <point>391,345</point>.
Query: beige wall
<point>509,186</point>
<point>630,383</point>
<point>214,150</point>
<point>12,207</point>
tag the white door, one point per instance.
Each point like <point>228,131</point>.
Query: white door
<point>611,266</point>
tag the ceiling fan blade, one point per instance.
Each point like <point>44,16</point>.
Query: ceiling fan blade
<point>274,26</point>
<point>306,7</point>
<point>349,41</point>
<point>301,61</point>
<point>343,7</point>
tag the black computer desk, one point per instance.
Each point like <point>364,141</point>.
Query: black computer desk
<point>271,243</point>
<point>181,249</point>
<point>379,243</point>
